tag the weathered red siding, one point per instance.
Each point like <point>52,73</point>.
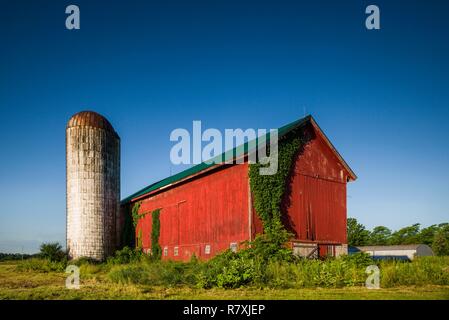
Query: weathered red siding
<point>317,202</point>
<point>208,210</point>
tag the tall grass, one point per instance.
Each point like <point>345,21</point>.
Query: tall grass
<point>41,265</point>
<point>233,270</point>
<point>346,271</point>
<point>422,271</point>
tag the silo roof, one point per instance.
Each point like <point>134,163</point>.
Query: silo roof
<point>90,119</point>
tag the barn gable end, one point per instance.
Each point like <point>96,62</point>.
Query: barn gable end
<point>316,200</point>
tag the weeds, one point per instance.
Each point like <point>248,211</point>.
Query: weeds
<point>41,265</point>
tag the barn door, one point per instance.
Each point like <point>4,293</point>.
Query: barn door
<point>310,221</point>
<point>179,216</point>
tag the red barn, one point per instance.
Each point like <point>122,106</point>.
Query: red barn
<point>209,208</point>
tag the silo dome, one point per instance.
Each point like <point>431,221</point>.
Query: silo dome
<point>93,185</point>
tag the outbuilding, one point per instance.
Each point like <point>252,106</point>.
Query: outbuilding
<point>209,208</point>
<point>398,252</point>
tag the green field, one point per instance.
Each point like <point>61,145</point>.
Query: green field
<point>16,284</point>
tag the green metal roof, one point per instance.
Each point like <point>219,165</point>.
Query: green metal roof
<point>236,152</point>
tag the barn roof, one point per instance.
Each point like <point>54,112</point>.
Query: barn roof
<point>234,153</point>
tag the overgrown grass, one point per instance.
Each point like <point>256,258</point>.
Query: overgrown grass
<point>230,270</point>
<point>342,278</point>
<point>245,269</point>
<point>422,271</point>
<point>41,265</point>
<point>51,285</point>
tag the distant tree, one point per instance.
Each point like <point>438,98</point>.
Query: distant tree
<point>427,235</point>
<point>357,234</point>
<point>52,251</point>
<point>407,235</point>
<point>379,236</point>
<point>440,244</point>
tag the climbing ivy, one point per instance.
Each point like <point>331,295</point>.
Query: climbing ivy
<point>156,250</point>
<point>269,190</point>
<point>139,240</point>
<point>129,231</point>
<point>135,213</point>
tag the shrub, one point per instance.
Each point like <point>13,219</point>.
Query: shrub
<point>52,251</point>
<point>84,261</point>
<point>126,255</point>
<point>128,274</point>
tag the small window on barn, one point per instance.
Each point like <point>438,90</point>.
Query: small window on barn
<point>233,246</point>
<point>165,251</point>
<point>175,252</point>
<point>207,249</point>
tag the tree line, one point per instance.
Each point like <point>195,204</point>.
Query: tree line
<point>435,236</point>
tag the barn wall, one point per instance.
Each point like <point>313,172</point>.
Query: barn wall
<point>209,210</point>
<point>316,203</point>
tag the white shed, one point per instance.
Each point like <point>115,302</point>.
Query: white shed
<point>406,252</point>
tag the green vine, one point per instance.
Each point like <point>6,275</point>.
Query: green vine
<point>156,250</point>
<point>135,213</point>
<point>129,231</point>
<point>139,240</point>
<point>269,190</point>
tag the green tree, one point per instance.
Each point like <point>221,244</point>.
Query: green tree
<point>407,235</point>
<point>427,235</point>
<point>357,233</point>
<point>440,244</point>
<point>380,236</point>
<point>52,251</point>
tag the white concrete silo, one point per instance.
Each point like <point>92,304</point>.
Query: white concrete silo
<point>93,185</point>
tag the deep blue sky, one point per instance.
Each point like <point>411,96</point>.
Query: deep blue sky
<point>381,96</point>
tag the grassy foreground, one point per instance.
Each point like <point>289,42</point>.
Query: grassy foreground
<point>16,284</point>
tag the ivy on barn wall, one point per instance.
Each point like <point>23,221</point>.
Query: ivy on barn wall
<point>130,224</point>
<point>269,190</point>
<point>156,250</point>
<point>129,231</point>
<point>135,213</point>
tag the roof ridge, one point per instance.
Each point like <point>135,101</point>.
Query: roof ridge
<point>282,131</point>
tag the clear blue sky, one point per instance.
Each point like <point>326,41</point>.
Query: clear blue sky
<point>381,96</point>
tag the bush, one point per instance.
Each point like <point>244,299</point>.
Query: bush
<point>128,274</point>
<point>126,255</point>
<point>52,251</point>
<point>84,261</point>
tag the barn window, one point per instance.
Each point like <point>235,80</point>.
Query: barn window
<point>207,249</point>
<point>233,246</point>
<point>165,251</point>
<point>175,252</point>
